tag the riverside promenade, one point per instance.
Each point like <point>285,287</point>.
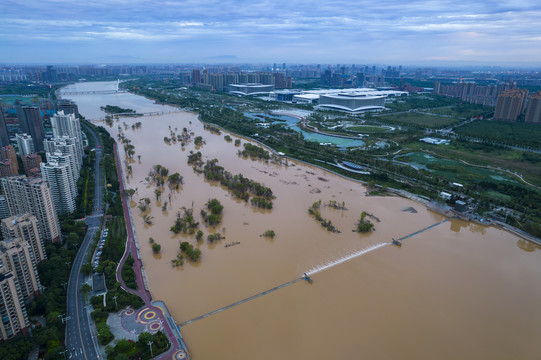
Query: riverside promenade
<point>178,350</point>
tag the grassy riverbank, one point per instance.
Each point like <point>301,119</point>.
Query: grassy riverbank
<point>226,111</point>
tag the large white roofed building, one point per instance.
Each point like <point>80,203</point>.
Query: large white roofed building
<point>250,89</point>
<point>352,102</point>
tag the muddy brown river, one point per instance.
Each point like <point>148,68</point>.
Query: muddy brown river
<point>455,291</point>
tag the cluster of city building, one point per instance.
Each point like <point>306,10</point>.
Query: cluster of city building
<point>30,204</point>
<point>472,92</point>
<point>347,100</point>
<point>62,73</point>
<point>510,102</point>
<point>220,81</point>
<point>221,78</point>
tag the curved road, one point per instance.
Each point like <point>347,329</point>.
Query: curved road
<point>80,342</point>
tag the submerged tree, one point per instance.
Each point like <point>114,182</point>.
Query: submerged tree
<point>175,180</point>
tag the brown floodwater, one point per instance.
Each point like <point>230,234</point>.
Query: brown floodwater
<point>455,291</point>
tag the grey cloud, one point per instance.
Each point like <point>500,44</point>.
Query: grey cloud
<point>323,29</point>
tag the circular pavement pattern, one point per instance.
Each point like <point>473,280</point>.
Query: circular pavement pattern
<point>179,355</point>
<point>129,312</point>
<point>154,327</point>
<point>145,315</point>
<point>149,315</point>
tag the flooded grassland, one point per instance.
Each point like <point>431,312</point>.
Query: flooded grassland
<point>457,290</point>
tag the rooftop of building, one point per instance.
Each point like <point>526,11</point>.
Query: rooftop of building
<point>356,92</point>
<point>363,96</point>
<point>513,93</point>
<point>252,85</point>
<point>32,156</point>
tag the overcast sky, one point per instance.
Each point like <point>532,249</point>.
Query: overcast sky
<point>300,31</point>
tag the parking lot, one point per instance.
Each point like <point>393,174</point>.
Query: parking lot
<point>99,248</point>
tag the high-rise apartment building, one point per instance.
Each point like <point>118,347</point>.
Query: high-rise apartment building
<point>32,195</point>
<point>12,307</point>
<point>196,76</point>
<point>8,161</point>
<point>31,164</point>
<point>25,227</point>
<point>64,150</point>
<point>31,123</point>
<point>7,168</point>
<point>67,107</point>
<point>510,104</point>
<point>253,78</point>
<point>4,208</point>
<point>217,81</point>
<point>533,111</point>
<point>473,93</point>
<point>4,137</point>
<point>8,153</point>
<point>17,257</point>
<point>266,78</point>
<point>231,78</point>
<point>69,126</point>
<point>62,185</point>
<point>25,144</point>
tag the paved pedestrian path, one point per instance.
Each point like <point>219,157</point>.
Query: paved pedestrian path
<point>153,316</point>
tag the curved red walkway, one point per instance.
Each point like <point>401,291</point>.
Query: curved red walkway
<point>141,291</point>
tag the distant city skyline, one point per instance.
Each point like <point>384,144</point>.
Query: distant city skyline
<point>389,31</point>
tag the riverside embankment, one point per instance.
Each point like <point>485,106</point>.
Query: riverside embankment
<point>457,290</point>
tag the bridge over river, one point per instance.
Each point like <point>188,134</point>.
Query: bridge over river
<point>92,92</point>
<point>311,272</point>
<point>151,113</point>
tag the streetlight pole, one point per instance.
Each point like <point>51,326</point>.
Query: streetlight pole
<point>114,297</point>
<point>150,344</point>
<point>63,352</point>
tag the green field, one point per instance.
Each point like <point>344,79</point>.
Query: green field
<point>508,132</point>
<point>525,163</point>
<point>418,120</point>
<point>455,171</point>
<point>463,111</point>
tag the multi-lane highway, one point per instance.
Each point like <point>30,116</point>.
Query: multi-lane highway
<point>80,341</point>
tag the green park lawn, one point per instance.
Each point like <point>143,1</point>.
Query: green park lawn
<point>418,120</point>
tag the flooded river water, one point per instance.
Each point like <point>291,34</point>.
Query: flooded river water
<point>455,291</point>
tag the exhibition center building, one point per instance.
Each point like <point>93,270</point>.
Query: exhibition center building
<point>352,102</point>
<point>250,89</point>
<point>348,100</point>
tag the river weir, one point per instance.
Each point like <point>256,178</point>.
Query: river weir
<point>455,290</point>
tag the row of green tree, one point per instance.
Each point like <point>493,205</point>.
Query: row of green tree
<point>240,186</point>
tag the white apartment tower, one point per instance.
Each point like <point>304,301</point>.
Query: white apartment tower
<point>69,125</point>
<point>66,159</point>
<point>62,185</point>
<point>25,144</point>
<point>32,195</point>
<point>66,146</point>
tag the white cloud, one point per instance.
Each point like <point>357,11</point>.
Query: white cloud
<point>336,27</point>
